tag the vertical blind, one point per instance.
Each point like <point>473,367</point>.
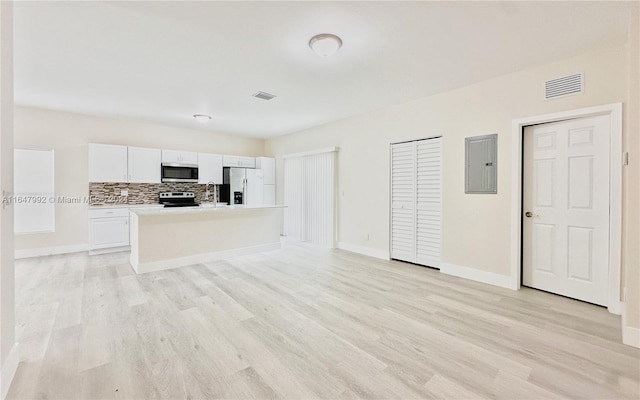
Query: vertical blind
<point>309,194</point>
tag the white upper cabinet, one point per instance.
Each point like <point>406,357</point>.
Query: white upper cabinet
<point>238,161</point>
<point>107,163</point>
<point>268,165</point>
<point>230,161</point>
<point>170,156</point>
<point>248,162</point>
<point>115,163</point>
<point>179,157</point>
<point>189,157</point>
<point>144,165</point>
<point>209,168</point>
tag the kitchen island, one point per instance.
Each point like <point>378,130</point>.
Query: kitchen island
<point>163,238</point>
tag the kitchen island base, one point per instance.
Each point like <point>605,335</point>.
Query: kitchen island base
<point>170,238</point>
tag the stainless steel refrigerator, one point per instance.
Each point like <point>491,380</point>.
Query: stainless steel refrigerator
<point>242,186</point>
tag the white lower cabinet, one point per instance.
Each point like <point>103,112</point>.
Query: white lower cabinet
<point>108,228</point>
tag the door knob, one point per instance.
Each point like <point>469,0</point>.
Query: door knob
<point>528,214</point>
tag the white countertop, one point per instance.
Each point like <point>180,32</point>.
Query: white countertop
<point>203,208</point>
<point>105,206</point>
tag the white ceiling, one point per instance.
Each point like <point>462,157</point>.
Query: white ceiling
<point>165,61</point>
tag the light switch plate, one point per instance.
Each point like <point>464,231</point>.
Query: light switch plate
<point>124,193</point>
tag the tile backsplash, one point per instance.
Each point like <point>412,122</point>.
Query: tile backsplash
<point>101,194</point>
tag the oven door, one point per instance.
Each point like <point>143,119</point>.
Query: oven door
<point>179,173</point>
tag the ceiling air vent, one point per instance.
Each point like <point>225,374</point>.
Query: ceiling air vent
<point>559,87</point>
<point>264,95</point>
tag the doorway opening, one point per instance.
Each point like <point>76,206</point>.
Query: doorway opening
<point>310,196</point>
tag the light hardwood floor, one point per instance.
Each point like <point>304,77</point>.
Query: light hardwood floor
<point>302,323</point>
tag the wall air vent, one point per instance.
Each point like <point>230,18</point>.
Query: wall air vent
<point>564,86</point>
<point>264,95</point>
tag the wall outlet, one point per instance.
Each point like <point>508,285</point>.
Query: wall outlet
<point>124,193</point>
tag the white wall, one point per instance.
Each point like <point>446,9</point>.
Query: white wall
<point>631,188</point>
<point>476,228</point>
<point>69,135</point>
<point>8,347</point>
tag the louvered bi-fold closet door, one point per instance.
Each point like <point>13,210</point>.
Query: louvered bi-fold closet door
<point>428,201</point>
<point>403,199</point>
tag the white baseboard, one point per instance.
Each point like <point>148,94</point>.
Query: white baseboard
<point>109,250</point>
<point>630,334</point>
<point>367,251</point>
<point>142,268</point>
<point>9,368</point>
<point>477,275</point>
<point>615,308</point>
<point>49,251</point>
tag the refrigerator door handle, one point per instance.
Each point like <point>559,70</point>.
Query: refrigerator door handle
<point>244,191</point>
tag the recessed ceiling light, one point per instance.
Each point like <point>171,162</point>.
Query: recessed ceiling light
<point>202,118</point>
<point>325,44</point>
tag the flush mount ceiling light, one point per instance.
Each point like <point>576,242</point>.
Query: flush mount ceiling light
<point>264,95</point>
<point>202,118</point>
<point>325,44</point>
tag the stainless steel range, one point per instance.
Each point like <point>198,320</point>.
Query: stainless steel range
<point>178,199</point>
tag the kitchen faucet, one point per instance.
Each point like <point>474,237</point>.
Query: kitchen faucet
<point>215,193</point>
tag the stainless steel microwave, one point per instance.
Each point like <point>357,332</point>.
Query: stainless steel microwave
<point>172,172</point>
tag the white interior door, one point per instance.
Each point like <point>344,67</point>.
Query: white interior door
<point>428,201</point>
<point>403,201</point>
<point>566,205</point>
